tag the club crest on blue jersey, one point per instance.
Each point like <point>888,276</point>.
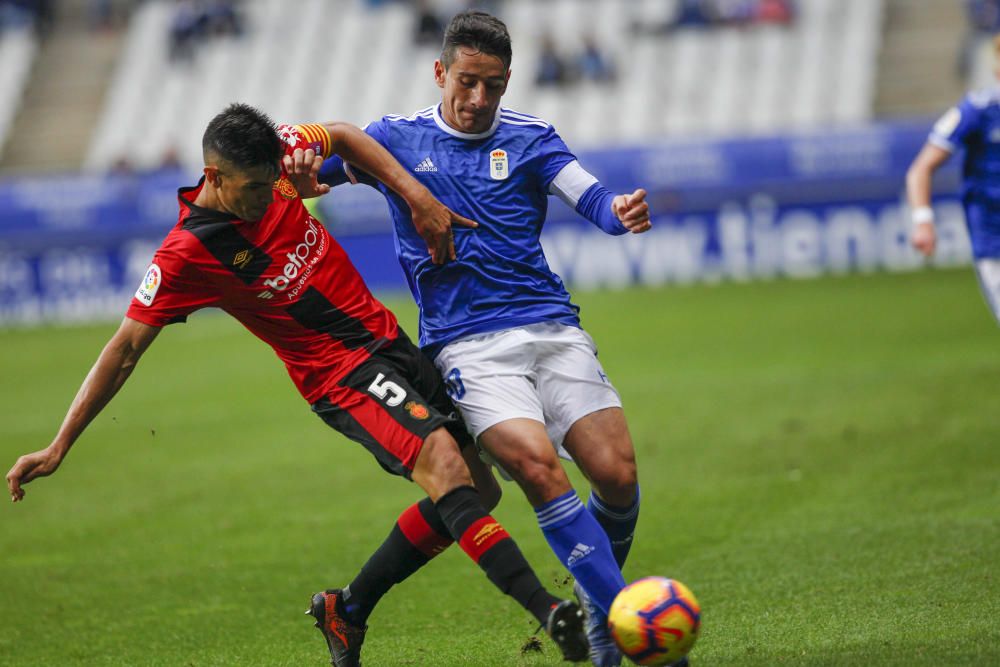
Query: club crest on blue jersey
<point>498,164</point>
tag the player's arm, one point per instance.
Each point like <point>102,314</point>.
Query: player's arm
<point>918,192</point>
<point>614,214</point>
<point>431,218</point>
<point>113,367</point>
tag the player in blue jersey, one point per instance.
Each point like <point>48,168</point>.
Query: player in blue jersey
<point>499,323</point>
<point>973,125</point>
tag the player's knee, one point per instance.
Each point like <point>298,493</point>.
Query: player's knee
<point>618,483</point>
<point>541,477</point>
<point>441,464</point>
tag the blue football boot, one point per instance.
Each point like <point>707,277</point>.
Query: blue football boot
<point>603,650</point>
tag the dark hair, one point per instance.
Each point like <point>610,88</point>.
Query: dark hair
<point>478,30</point>
<point>244,137</point>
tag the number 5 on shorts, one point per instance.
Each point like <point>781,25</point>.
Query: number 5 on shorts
<point>388,391</point>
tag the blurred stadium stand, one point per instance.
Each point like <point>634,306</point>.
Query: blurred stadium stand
<point>18,47</point>
<point>719,82</point>
<point>768,148</point>
<point>839,62</point>
<point>914,78</point>
<point>59,104</point>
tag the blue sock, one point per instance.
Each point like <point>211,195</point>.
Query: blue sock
<point>617,522</point>
<point>582,546</point>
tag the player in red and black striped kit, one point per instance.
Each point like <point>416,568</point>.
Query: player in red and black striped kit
<point>245,243</point>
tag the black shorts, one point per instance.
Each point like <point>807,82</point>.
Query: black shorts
<point>390,403</point>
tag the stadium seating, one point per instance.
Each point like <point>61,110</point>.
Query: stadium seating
<point>346,60</point>
<point>17,51</point>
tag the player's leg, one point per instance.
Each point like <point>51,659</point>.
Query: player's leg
<point>583,413</point>
<point>415,539</point>
<point>522,447</point>
<point>419,534</point>
<point>441,472</point>
<point>988,272</point>
<point>375,406</point>
<point>601,446</point>
<point>492,380</point>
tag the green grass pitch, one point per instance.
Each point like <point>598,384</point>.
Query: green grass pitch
<point>820,462</point>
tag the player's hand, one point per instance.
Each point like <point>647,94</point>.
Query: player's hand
<point>302,167</point>
<point>31,466</point>
<point>924,238</point>
<point>633,211</point>
<point>433,221</point>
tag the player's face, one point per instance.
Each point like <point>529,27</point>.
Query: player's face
<point>471,89</point>
<point>246,193</point>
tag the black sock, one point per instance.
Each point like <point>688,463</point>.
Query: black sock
<point>489,545</point>
<point>418,536</point>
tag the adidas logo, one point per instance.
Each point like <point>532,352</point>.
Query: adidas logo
<point>266,294</point>
<point>579,551</point>
<point>425,165</point>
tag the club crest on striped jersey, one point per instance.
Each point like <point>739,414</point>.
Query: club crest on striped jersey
<point>498,164</point>
<point>285,188</point>
<point>417,411</point>
<point>290,135</point>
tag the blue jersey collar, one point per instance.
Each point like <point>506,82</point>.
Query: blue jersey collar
<point>465,135</point>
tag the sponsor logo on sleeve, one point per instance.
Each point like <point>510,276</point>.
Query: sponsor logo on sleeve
<point>498,164</point>
<point>149,285</point>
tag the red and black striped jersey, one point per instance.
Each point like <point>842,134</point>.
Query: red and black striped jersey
<point>284,278</point>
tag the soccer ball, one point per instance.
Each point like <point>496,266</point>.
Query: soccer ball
<point>655,621</point>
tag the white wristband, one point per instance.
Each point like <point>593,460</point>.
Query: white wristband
<point>921,215</point>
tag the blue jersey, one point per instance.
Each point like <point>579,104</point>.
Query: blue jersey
<point>975,126</point>
<point>500,178</point>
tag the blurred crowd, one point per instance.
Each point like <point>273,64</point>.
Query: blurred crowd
<point>984,22</point>
<point>724,13</point>
<point>590,63</point>
<point>196,21</point>
<point>21,14</point>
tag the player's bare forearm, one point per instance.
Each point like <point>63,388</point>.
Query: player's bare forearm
<point>921,173</point>
<point>919,179</point>
<point>432,219</point>
<point>918,186</point>
<point>355,146</point>
<point>113,367</point>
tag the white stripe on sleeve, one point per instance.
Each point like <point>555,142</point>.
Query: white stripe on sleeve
<point>350,173</point>
<point>570,183</point>
<point>941,142</point>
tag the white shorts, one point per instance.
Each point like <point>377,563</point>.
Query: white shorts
<point>548,372</point>
<point>988,271</point>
